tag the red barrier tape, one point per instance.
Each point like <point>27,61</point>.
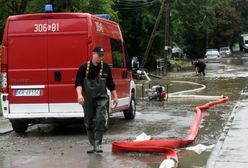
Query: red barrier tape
<point>166,146</point>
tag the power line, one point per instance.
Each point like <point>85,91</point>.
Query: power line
<point>127,6</point>
<point>136,3</point>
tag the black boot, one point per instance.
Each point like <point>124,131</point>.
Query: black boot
<point>91,137</point>
<point>91,149</point>
<point>98,149</point>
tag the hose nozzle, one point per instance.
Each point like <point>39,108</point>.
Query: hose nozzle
<point>169,163</point>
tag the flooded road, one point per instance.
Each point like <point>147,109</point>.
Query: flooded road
<point>59,147</point>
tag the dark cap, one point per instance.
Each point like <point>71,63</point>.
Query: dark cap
<point>99,50</point>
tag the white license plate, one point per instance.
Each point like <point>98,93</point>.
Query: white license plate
<point>29,92</point>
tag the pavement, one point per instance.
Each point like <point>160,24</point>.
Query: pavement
<point>232,148</point>
<point>5,126</point>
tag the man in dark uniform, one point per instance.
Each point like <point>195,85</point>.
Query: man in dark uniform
<point>199,67</point>
<point>92,80</point>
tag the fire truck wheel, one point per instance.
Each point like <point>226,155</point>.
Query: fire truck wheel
<point>131,111</point>
<point>19,126</point>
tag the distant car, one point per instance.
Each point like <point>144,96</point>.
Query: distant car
<point>212,49</point>
<point>243,42</point>
<point>177,52</point>
<point>225,51</point>
<point>212,55</point>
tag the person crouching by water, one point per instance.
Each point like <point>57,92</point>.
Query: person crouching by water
<point>92,80</point>
<point>199,67</point>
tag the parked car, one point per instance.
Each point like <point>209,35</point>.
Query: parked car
<point>212,55</point>
<point>212,49</point>
<point>243,42</point>
<point>177,52</point>
<point>225,51</point>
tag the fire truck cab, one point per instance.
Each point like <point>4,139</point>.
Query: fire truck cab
<point>40,57</point>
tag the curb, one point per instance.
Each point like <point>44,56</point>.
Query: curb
<point>5,126</point>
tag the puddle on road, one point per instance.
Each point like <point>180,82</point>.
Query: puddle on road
<point>70,160</point>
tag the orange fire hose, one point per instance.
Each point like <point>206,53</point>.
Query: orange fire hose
<point>166,146</point>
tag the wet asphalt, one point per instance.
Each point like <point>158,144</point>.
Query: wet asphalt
<point>59,146</point>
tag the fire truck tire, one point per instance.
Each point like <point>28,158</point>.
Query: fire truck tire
<point>19,126</point>
<point>129,113</point>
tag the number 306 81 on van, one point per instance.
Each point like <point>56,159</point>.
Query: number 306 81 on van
<point>40,57</point>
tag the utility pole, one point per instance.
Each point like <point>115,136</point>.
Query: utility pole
<point>167,32</point>
<point>153,34</point>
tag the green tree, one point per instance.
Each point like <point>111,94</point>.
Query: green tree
<point>103,6</point>
<point>4,13</point>
<point>137,20</point>
<point>228,27</point>
<point>241,6</point>
<point>16,6</point>
<point>198,24</point>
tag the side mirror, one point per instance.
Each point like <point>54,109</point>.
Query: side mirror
<point>135,63</point>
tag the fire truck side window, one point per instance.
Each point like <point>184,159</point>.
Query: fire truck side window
<point>117,56</point>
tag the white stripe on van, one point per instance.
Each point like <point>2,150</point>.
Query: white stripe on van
<point>27,86</point>
<point>28,108</point>
<point>65,107</point>
<point>54,108</point>
<point>45,115</point>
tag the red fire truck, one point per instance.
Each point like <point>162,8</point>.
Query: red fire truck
<point>40,56</point>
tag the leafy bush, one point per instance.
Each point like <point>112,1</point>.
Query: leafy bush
<point>179,65</point>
